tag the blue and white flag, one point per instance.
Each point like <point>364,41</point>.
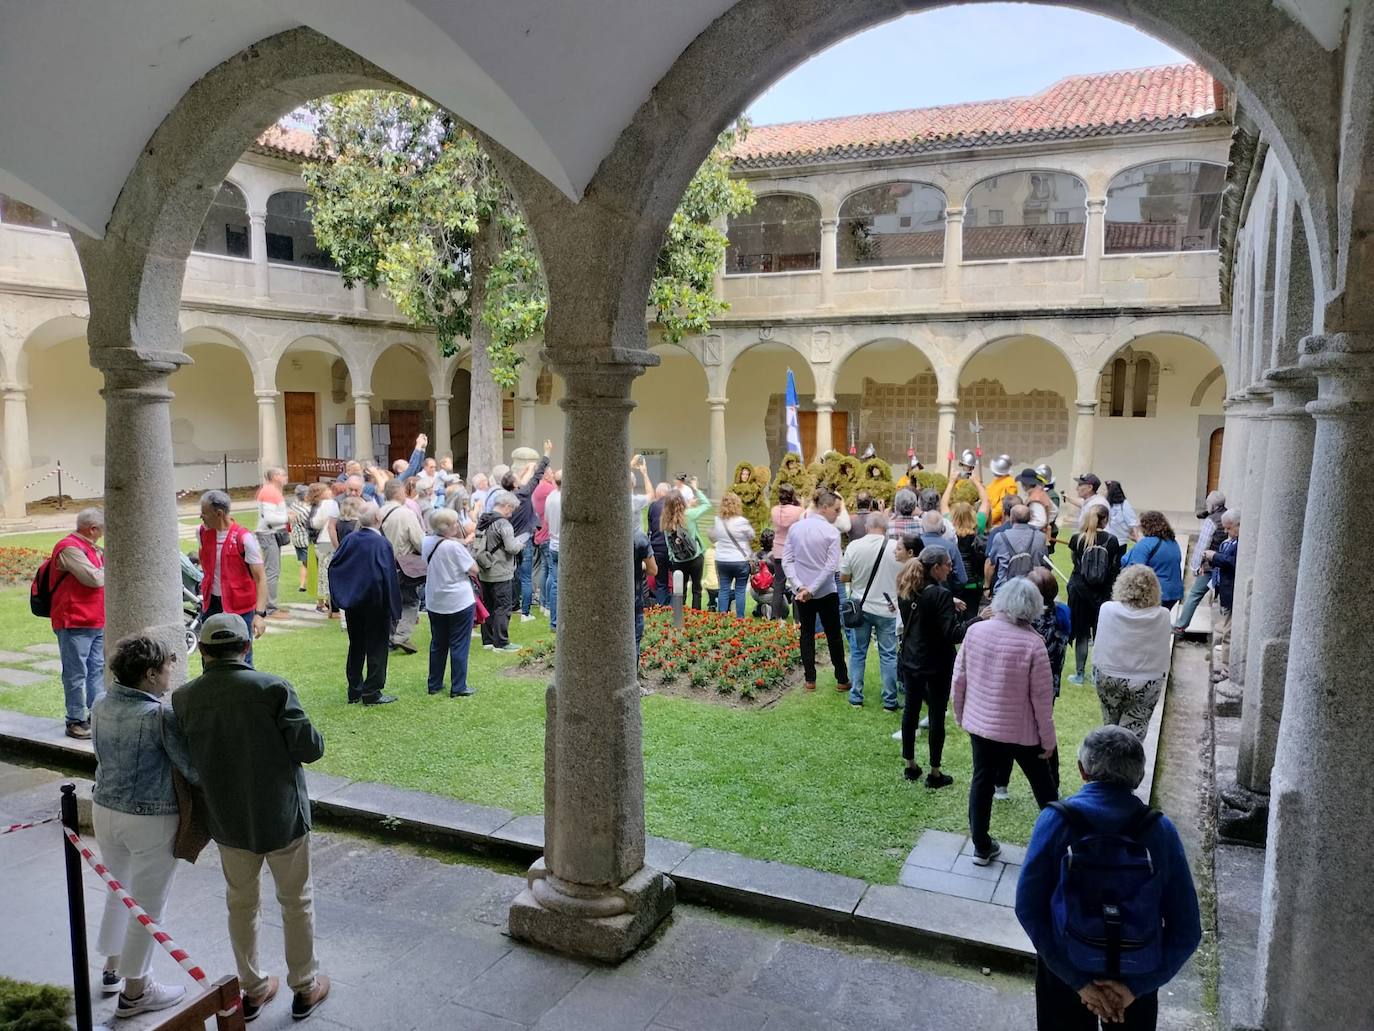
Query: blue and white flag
<point>793,433</point>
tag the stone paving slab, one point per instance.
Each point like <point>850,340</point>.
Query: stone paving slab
<point>716,877</point>
<point>322,785</point>
<point>956,921</point>
<point>937,850</point>
<point>22,677</point>
<point>45,666</point>
<point>11,658</point>
<point>1012,855</point>
<point>947,883</point>
<point>431,815</point>
<point>43,649</point>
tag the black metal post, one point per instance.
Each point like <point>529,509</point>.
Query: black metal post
<point>226,472</point>
<point>76,915</point>
<point>61,501</point>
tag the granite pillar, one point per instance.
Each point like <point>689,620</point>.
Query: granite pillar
<point>257,230</point>
<point>17,456</point>
<point>829,259</point>
<point>1253,495</point>
<point>269,440</point>
<point>362,426</point>
<point>1083,427</point>
<point>718,473</point>
<point>591,893</point>
<point>1094,244</point>
<point>954,257</point>
<point>1316,950</point>
<point>825,411</point>
<point>1278,532</point>
<point>1233,446</point>
<point>525,423</point>
<point>945,429</point>
<point>443,429</point>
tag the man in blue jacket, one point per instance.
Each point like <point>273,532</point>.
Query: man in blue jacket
<point>1223,581</point>
<point>1111,761</point>
<point>366,587</point>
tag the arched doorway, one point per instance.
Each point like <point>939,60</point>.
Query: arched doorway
<point>885,395</point>
<point>316,402</point>
<point>755,428</point>
<point>214,415</point>
<point>1214,445</point>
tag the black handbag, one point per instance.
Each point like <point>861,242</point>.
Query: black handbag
<point>853,611</point>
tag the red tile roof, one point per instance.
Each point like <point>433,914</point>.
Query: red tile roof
<point>283,142</point>
<point>1080,105</point>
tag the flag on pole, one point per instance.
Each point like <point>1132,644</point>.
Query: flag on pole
<point>793,432</point>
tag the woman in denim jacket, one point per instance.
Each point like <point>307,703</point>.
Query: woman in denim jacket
<point>137,739</point>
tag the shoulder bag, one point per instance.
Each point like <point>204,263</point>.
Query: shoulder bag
<point>411,566</point>
<point>854,610</point>
<point>748,557</point>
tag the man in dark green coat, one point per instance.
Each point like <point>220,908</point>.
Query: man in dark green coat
<point>248,736</point>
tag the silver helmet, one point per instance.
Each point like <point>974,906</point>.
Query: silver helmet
<point>1045,473</point>
<point>968,459</point>
<point>1001,465</point>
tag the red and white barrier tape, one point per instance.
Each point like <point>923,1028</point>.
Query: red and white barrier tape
<point>137,912</point>
<point>25,826</point>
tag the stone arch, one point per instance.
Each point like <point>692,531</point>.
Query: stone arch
<point>747,251</point>
<point>215,331</point>
<point>1205,385</point>
<point>987,240</point>
<point>46,326</point>
<point>1024,401</point>
<point>1202,332</point>
<point>1141,237</point>
<point>982,337</point>
<point>889,387</point>
<point>356,360</point>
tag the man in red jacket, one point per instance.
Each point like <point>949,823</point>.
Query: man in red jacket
<point>77,580</point>
<point>235,580</point>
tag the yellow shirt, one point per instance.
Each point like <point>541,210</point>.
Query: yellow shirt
<point>997,490</point>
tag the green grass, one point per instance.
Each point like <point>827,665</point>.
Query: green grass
<point>810,780</point>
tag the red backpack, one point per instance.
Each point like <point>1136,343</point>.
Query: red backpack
<point>763,579</point>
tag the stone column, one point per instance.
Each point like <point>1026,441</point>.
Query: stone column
<point>269,446</point>
<point>829,260</point>
<point>825,410</point>
<point>954,256</point>
<point>1233,446</point>
<point>1094,243</point>
<point>362,425</point>
<point>719,477</point>
<point>591,893</point>
<point>443,430</point>
<point>1083,427</point>
<point>1316,951</point>
<point>257,229</point>
<point>1253,500</point>
<point>1278,530</point>
<point>142,563</point>
<point>17,457</point>
<point>945,431</point>
<point>525,423</point>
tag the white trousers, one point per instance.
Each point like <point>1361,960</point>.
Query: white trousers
<point>138,852</point>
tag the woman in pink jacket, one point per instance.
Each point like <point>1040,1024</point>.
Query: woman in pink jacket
<point>1004,698</point>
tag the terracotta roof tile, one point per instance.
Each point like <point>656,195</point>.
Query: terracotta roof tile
<point>1080,105</point>
<point>283,142</point>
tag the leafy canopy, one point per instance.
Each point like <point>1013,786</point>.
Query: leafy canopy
<point>406,200</point>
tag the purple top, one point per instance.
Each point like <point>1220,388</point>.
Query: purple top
<point>812,555</point>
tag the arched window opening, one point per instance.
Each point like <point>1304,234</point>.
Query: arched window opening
<point>892,224</point>
<point>1118,388</point>
<point>17,213</point>
<point>1165,206</point>
<point>225,229</point>
<point>290,234</point>
<point>1140,390</point>
<point>1025,215</point>
<point>781,234</point>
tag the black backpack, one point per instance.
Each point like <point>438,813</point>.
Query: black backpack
<point>42,589</point>
<point>1095,566</point>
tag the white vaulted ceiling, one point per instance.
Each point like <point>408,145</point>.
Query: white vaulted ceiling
<point>86,82</point>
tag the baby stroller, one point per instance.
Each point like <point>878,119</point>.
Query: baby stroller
<point>191,577</point>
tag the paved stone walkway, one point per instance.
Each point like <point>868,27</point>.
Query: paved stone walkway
<point>412,942</point>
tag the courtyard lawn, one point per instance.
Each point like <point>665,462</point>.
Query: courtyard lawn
<point>808,780</point>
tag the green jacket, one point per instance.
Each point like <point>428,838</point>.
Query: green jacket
<point>248,735</point>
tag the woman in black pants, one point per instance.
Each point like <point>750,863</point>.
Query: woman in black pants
<point>1096,563</point>
<point>685,552</point>
<point>931,628</point>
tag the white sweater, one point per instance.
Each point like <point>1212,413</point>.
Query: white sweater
<point>725,548</point>
<point>1132,644</point>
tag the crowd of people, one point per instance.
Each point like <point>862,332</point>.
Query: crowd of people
<point>962,601</point>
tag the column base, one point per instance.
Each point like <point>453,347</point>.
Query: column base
<point>607,926</point>
<point>1227,696</point>
<point>1243,815</point>
<point>25,525</point>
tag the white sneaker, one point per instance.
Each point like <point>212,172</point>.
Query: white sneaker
<point>155,997</point>
<point>528,617</point>
<point>489,647</point>
<point>1001,794</point>
<point>897,734</point>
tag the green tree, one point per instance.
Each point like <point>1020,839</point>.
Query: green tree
<point>406,200</point>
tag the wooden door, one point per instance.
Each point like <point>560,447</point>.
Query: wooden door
<point>405,427</point>
<point>1214,459</point>
<point>301,436</point>
<point>806,428</point>
<point>839,433</point>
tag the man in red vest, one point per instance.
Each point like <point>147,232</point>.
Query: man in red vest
<point>77,582</point>
<point>235,580</point>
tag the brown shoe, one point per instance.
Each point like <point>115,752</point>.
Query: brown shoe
<point>842,685</point>
<point>80,731</point>
<point>305,1003</point>
<point>253,1004</point>
<point>810,685</point>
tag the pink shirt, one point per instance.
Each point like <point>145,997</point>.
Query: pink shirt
<point>1003,689</point>
<point>538,500</point>
<point>783,518</point>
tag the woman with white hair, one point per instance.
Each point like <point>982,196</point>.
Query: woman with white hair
<point>1131,655</point>
<point>1004,699</point>
<point>450,602</point>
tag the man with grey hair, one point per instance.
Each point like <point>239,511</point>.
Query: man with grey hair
<point>1110,826</point>
<point>231,559</point>
<point>904,521</point>
<point>273,515</point>
<point>1222,561</point>
<point>1014,551</point>
<point>363,579</point>
<point>496,549</point>
<point>76,582</point>
<point>870,567</point>
<point>401,527</point>
<point>935,532</point>
<point>1209,537</point>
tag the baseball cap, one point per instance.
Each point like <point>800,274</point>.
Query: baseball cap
<point>224,628</point>
<point>1028,476</point>
<point>1089,478</point>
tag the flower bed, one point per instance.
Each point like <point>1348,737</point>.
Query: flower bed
<point>714,657</point>
<point>17,565</point>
